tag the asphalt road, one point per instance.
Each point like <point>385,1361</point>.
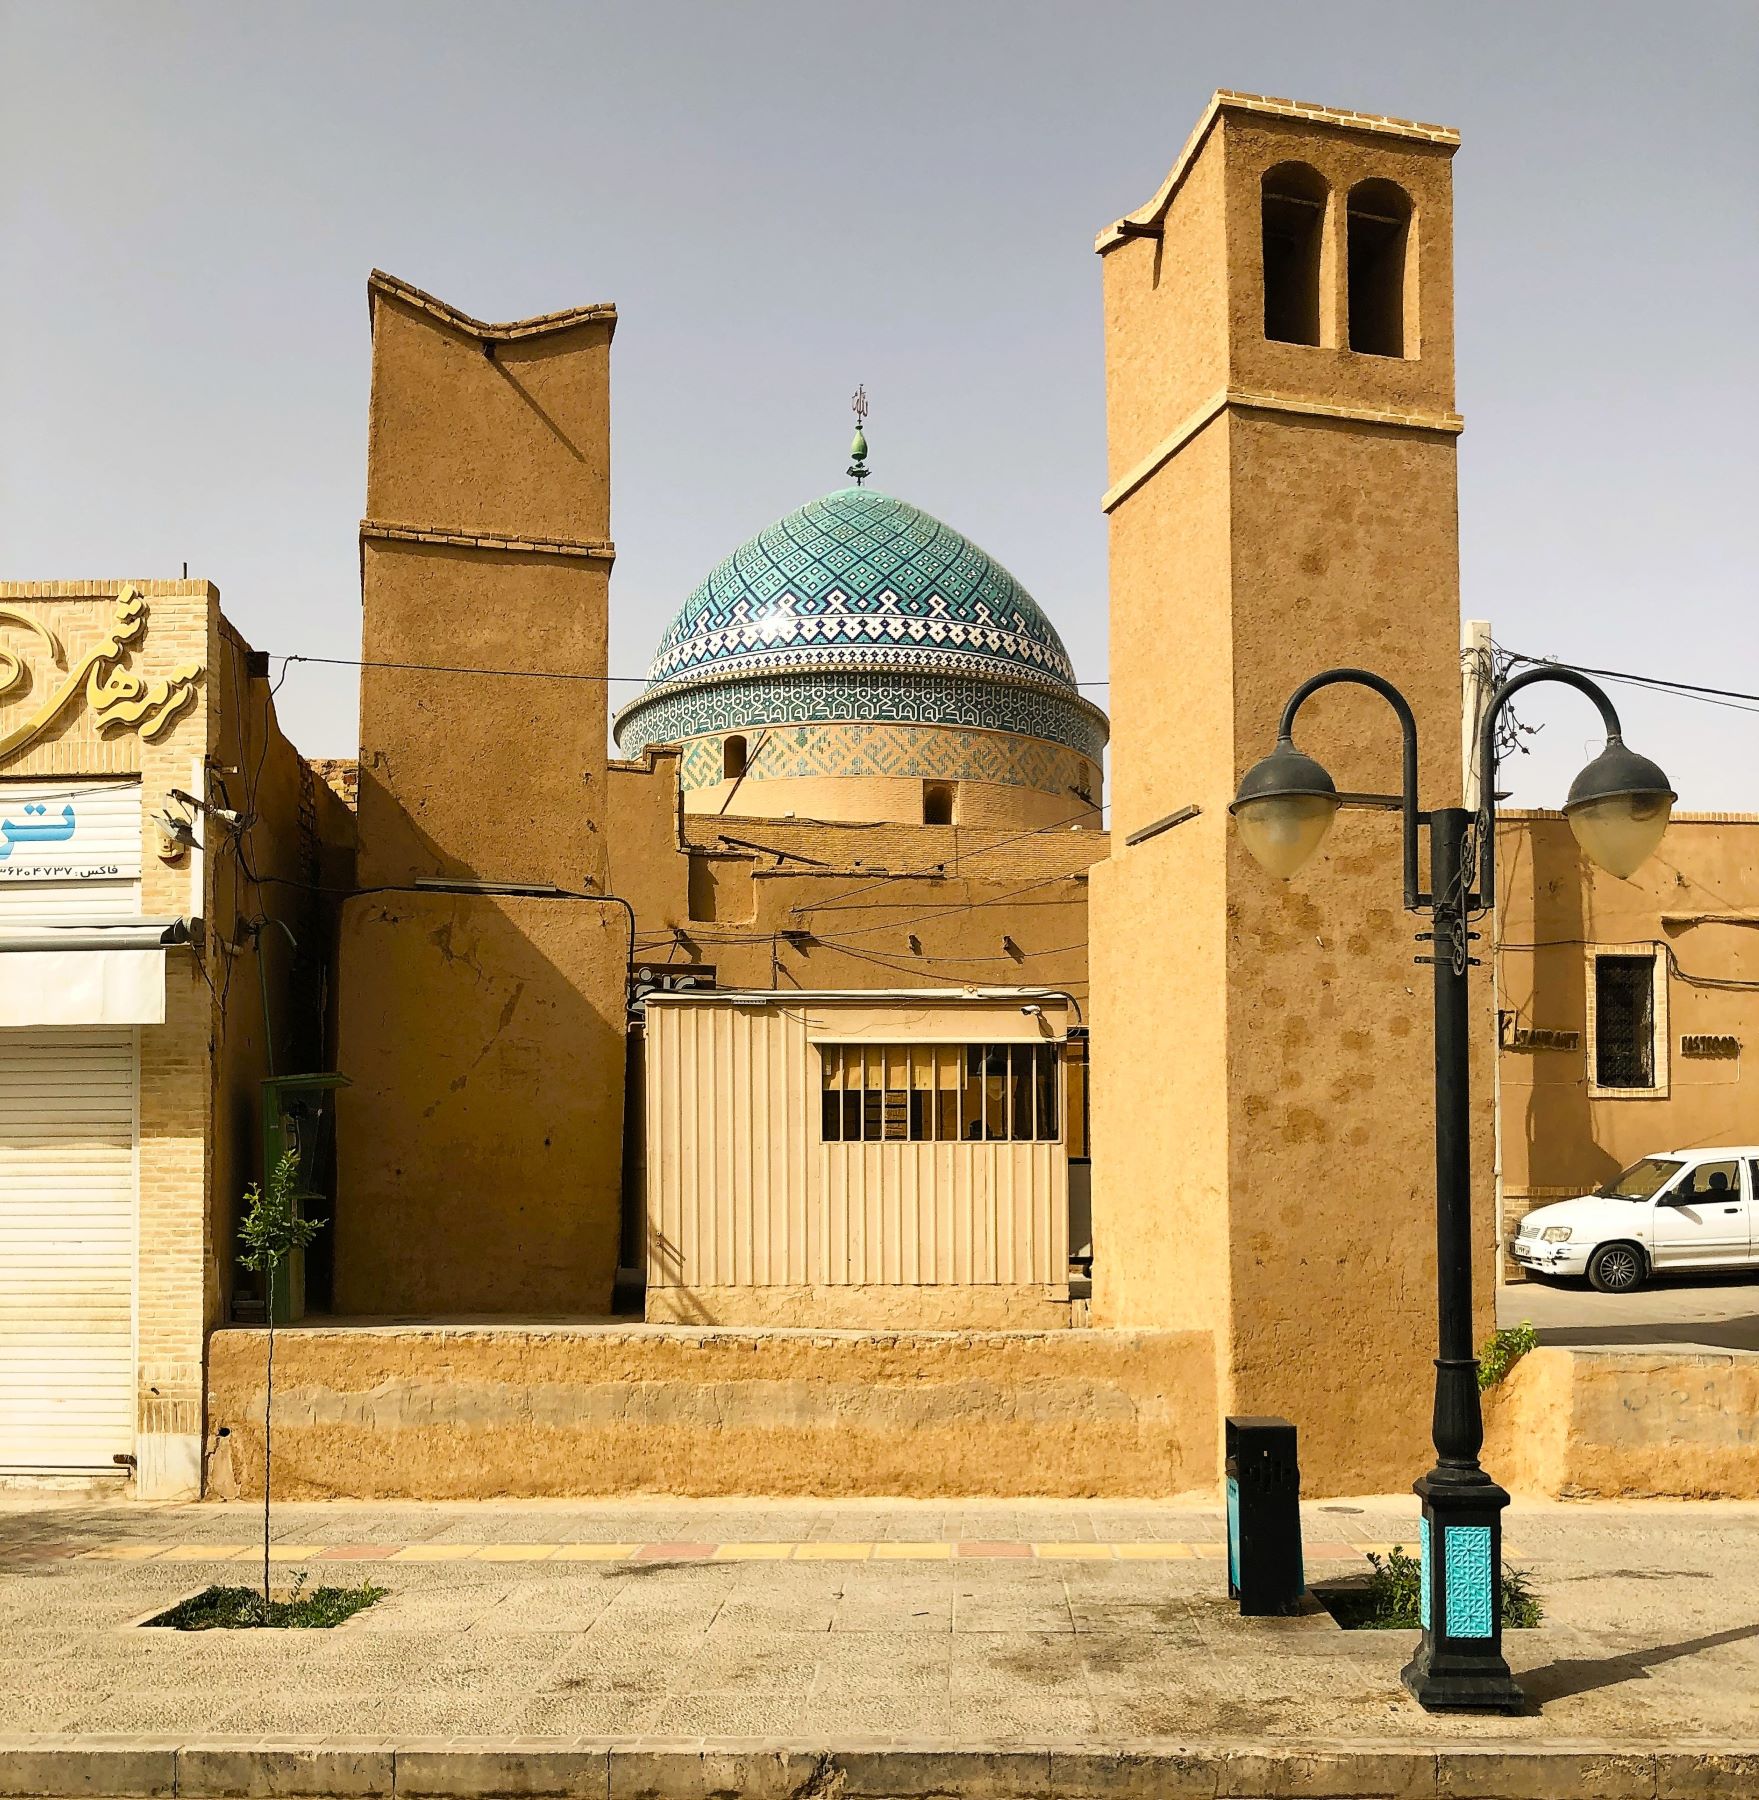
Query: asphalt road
<point>1721,1311</point>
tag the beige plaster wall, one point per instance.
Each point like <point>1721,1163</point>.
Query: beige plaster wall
<point>1167,305</point>
<point>481,1138</point>
<point>493,778</point>
<point>893,799</point>
<point>295,845</point>
<point>466,1414</point>
<point>1160,1072</point>
<point>867,1306</point>
<point>502,429</point>
<point>854,893</point>
<point>1693,904</point>
<point>1624,1423</point>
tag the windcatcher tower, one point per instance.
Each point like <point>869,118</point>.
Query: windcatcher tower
<point>479,1144</point>
<point>1281,434</point>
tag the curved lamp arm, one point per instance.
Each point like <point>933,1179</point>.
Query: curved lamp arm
<point>1407,726</point>
<point>1506,691</point>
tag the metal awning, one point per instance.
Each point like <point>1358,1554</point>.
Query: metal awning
<point>87,974</point>
<point>125,934</point>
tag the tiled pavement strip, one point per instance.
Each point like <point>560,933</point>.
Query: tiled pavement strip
<point>1026,1624</point>
<point>750,1550</point>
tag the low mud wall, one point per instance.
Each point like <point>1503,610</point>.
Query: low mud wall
<point>1680,1424</point>
<point>473,1412</point>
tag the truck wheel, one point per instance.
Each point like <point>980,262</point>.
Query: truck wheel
<point>1616,1269</point>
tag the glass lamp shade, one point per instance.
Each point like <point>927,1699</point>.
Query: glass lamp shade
<point>1618,809</point>
<point>1282,831</point>
<point>1621,833</point>
<point>1284,808</point>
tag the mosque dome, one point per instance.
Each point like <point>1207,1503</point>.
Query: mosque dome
<point>862,610</point>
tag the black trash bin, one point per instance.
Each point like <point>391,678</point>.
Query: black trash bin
<point>1264,1517</point>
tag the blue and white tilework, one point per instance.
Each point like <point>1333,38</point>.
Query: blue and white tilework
<point>832,697</point>
<point>1423,1589</point>
<point>1471,1581</point>
<point>861,606</point>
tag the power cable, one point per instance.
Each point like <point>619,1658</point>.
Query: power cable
<point>358,662</point>
<point>1715,696</point>
<point>942,912</point>
<point>944,871</point>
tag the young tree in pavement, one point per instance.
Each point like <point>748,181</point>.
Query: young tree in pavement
<point>271,1230</point>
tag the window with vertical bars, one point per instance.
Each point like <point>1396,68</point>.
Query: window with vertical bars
<point>940,1093</point>
<point>1624,1021</point>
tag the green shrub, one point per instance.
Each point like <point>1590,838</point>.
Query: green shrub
<point>1392,1599</point>
<point>238,1608</point>
<point>1504,1349</point>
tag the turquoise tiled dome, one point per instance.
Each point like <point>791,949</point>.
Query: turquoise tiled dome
<point>860,606</point>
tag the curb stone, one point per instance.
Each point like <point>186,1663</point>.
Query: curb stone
<point>117,1767</point>
<point>230,1769</point>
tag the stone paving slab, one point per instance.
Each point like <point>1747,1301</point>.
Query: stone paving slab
<point>646,1626</point>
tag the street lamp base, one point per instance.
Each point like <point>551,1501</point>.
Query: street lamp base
<point>1459,1664</point>
<point>1451,1682</point>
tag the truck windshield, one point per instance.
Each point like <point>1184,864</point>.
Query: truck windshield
<point>1644,1180</point>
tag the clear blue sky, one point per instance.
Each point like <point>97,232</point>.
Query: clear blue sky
<point>786,199</point>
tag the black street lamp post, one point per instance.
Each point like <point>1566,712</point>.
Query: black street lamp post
<point>1618,809</point>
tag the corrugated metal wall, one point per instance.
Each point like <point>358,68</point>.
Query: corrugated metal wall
<point>742,1192</point>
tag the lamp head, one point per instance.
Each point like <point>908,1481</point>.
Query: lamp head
<point>1284,808</point>
<point>1618,808</point>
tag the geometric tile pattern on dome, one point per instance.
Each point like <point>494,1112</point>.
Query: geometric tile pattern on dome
<point>859,571</point>
<point>924,752</point>
<point>834,696</point>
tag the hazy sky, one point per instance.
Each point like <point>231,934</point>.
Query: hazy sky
<point>786,199</point>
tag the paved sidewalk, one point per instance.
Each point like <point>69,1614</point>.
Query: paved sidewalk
<point>1022,1624</point>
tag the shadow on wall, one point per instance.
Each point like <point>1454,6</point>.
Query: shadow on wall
<point>479,1149</point>
<point>1557,1121</point>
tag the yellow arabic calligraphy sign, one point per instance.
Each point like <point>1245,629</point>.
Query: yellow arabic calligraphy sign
<point>119,699</point>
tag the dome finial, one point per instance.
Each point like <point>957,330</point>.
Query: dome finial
<point>858,449</point>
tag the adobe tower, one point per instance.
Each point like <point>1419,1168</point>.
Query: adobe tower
<point>1281,435</point>
<point>482,973</point>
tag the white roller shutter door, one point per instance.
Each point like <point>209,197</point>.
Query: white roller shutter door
<point>67,1249</point>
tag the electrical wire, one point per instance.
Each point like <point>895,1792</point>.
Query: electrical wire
<point>359,662</point>
<point>1714,696</point>
<point>1697,690</point>
<point>879,960</point>
<point>1726,984</point>
<point>942,871</point>
<point>942,912</point>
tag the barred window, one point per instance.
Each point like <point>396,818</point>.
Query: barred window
<point>1624,1021</point>
<point>939,1093</point>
